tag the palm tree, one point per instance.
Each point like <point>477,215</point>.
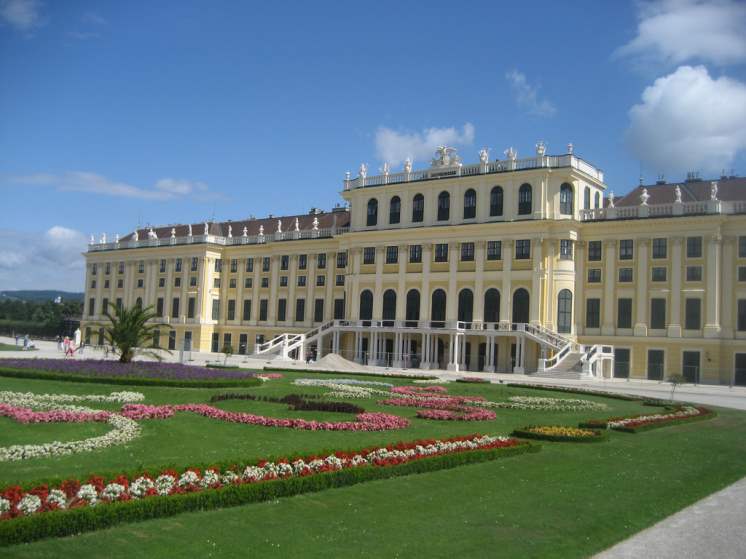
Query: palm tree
<point>129,332</point>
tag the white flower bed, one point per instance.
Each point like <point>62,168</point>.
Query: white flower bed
<point>347,388</point>
<point>47,401</point>
<point>686,411</point>
<point>542,403</point>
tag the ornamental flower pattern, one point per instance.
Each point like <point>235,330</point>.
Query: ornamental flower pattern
<point>14,502</point>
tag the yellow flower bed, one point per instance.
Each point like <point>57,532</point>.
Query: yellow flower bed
<point>561,431</point>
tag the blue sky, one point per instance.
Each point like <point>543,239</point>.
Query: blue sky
<point>114,113</point>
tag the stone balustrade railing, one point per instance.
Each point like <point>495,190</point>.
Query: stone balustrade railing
<point>665,210</point>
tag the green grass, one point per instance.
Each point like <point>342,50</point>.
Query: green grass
<point>13,347</point>
<point>569,500</point>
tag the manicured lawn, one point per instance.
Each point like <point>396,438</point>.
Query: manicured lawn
<point>12,347</point>
<point>569,500</point>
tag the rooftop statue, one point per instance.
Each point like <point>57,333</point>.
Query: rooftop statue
<point>315,223</point>
<point>152,234</point>
<point>644,197</point>
<point>385,169</point>
<point>713,191</point>
<point>279,226</point>
<point>261,230</point>
<point>570,148</point>
<point>245,231</point>
<point>677,192</point>
<point>541,148</point>
<point>135,236</point>
<point>297,224</point>
<point>484,156</point>
<point>190,230</point>
<point>92,241</point>
<point>611,199</point>
<point>363,170</point>
<point>408,165</point>
<point>445,157</point>
<point>103,238</point>
<point>207,229</point>
<point>230,231</point>
<point>173,232</point>
<point>511,154</point>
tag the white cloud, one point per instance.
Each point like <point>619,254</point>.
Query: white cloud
<point>527,95</point>
<point>79,181</point>
<point>394,147</point>
<point>675,31</point>
<point>48,260</point>
<point>688,120</point>
<point>22,14</point>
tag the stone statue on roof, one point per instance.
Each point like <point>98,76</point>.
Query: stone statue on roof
<point>385,168</point>
<point>445,157</point>
<point>103,238</point>
<point>297,224</point>
<point>541,148</point>
<point>644,197</point>
<point>245,231</point>
<point>261,230</point>
<point>713,191</point>
<point>92,241</point>
<point>190,230</point>
<point>511,154</point>
<point>363,170</point>
<point>279,226</point>
<point>135,236</point>
<point>230,231</point>
<point>315,223</point>
<point>408,165</point>
<point>207,229</point>
<point>677,193</point>
<point>484,156</point>
<point>173,232</point>
<point>611,199</point>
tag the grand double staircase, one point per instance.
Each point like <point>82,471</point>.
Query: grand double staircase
<point>561,356</point>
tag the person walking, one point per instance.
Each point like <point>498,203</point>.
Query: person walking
<point>59,343</point>
<point>66,345</point>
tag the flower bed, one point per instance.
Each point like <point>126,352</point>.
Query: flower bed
<point>365,421</point>
<point>473,380</point>
<point>296,402</point>
<point>560,433</point>
<point>134,373</point>
<point>269,376</point>
<point>571,390</point>
<point>74,506</point>
<point>467,414</point>
<point>644,422</point>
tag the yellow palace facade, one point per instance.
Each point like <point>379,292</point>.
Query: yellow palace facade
<point>526,265</point>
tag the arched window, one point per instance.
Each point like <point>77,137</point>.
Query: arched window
<point>465,305</point>
<point>366,305</point>
<point>566,199</point>
<point>413,307</point>
<point>394,210</point>
<point>444,206</point>
<point>389,307</point>
<point>597,200</point>
<point>496,201</point>
<point>418,208</point>
<point>372,212</point>
<point>138,303</point>
<point>520,306</point>
<point>525,206</point>
<point>564,311</point>
<point>492,305</point>
<point>470,204</point>
<point>438,309</point>
<point>587,198</point>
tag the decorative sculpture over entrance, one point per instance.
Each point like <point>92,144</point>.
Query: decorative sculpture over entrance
<point>445,157</point>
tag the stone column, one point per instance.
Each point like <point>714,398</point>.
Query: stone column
<point>427,257</point>
<point>479,281</point>
<point>401,295</point>
<point>453,362</point>
<point>506,297</point>
<point>609,278</point>
<point>452,297</point>
<point>353,301</point>
<point>378,289</point>
<point>292,272</point>
<point>729,255</point>
<point>641,292</point>
<point>310,272</point>
<point>551,295</point>
<point>538,269</point>
<point>331,280</point>
<point>274,280</point>
<point>577,315</point>
<point>714,274</point>
<point>674,326</point>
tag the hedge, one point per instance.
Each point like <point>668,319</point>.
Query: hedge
<point>598,437</point>
<point>74,521</point>
<point>129,381</point>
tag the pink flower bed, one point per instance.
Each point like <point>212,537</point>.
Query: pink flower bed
<point>27,415</point>
<point>365,421</point>
<point>465,414</point>
<point>419,390</point>
<point>271,375</point>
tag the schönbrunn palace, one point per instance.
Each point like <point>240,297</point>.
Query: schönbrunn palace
<point>524,265</point>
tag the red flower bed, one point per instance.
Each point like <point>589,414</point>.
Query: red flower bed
<point>465,414</point>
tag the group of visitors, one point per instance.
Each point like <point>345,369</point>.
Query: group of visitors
<point>27,343</point>
<point>68,346</point>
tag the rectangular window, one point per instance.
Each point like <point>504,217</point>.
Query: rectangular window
<point>120,283</point>
<point>302,261</point>
<point>177,282</point>
<point>121,266</point>
<point>282,305</point>
<point>655,364</point>
<point>162,267</point>
<point>159,307</point>
<point>265,282</point>
<point>594,251</point>
<point>284,262</point>
<point>340,280</point>
<point>467,252</point>
<point>218,265</point>
<point>694,247</point>
<point>626,249</point>
<point>301,281</point>
<point>741,323</point>
<point>156,338</point>
<point>119,303</point>
<point>105,305</point>
<point>660,248</point>
<point>191,304</point>
<point>216,283</point>
<point>172,339</point>
<point>249,264</point>
<point>523,249</point>
<point>742,247</point>
<point>195,264</point>
<point>659,274</point>
<point>216,309</point>
<point>265,264</point>
<point>107,267</point>
<point>621,362</point>
<point>369,255</point>
<point>227,342</point>
<point>141,267</point>
<point>91,306</point>
<point>263,309</point>
<point>106,283</point>
<point>321,260</point>
<point>300,310</point>
<point>657,314</point>
<point>318,310</point>
<point>320,281</point>
<point>625,275</point>
<point>742,273</point>
<point>565,249</point>
<point>193,281</point>
<point>693,314</point>
<point>283,281</point>
<point>177,265</point>
<point>341,259</point>
<point>234,265</point>
<point>94,269</point>
<point>392,254</point>
<point>231,309</point>
<point>232,283</point>
<point>441,252</point>
<point>175,307</point>
<point>494,250</point>
<point>592,313</point>
<point>248,283</point>
<point>415,254</point>
<point>246,310</point>
<point>243,342</point>
<point>93,284</point>
<point>694,273</point>
<point>624,313</point>
<point>339,309</point>
<point>140,283</point>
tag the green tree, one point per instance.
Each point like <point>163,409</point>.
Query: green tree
<point>129,333</point>
<point>675,381</point>
<point>228,351</point>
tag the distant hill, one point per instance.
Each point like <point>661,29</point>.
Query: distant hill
<point>39,295</point>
